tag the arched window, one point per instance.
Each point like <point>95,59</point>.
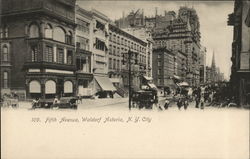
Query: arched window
<point>48,31</point>
<point>68,87</point>
<point>5,53</point>
<point>59,34</point>
<point>34,87</point>
<point>34,31</point>
<point>5,79</point>
<point>50,87</point>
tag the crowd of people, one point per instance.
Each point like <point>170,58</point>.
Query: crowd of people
<point>205,95</point>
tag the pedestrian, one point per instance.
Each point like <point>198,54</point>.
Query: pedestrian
<point>56,101</point>
<point>167,102</point>
<point>79,98</point>
<point>179,103</point>
<point>35,103</point>
<point>197,97</point>
<point>202,100</point>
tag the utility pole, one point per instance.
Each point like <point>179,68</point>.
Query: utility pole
<point>129,79</point>
<point>130,53</point>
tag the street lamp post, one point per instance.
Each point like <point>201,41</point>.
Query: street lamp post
<point>130,53</point>
<point>129,79</point>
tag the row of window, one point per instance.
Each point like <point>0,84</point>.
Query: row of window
<point>82,26</point>
<point>82,43</point>
<point>125,42</point>
<point>114,64</point>
<point>49,55</point>
<point>57,33</point>
<point>4,32</point>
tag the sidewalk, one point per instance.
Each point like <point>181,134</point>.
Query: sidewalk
<point>91,103</point>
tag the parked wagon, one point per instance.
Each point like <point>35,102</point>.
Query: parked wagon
<point>143,99</point>
<point>9,102</point>
<point>64,102</point>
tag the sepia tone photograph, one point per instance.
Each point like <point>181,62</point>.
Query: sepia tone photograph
<point>125,79</point>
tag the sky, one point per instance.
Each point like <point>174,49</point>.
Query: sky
<point>216,36</point>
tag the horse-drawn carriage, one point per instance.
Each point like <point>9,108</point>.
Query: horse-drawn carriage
<point>9,102</point>
<point>143,99</point>
<point>64,102</point>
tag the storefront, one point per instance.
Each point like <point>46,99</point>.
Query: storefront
<point>104,87</point>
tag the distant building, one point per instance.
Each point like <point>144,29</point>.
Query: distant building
<point>208,75</point>
<point>202,62</point>
<point>163,68</point>
<point>145,35</point>
<point>177,33</point>
<point>240,71</point>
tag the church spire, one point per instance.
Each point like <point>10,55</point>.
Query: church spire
<point>213,62</point>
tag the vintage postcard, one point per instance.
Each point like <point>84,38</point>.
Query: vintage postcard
<point>125,79</point>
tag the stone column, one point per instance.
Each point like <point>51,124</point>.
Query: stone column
<point>54,53</point>
<point>42,81</point>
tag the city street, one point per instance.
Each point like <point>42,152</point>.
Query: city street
<point>194,133</point>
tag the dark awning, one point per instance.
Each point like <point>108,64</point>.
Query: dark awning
<point>148,78</point>
<point>105,83</point>
<point>151,85</point>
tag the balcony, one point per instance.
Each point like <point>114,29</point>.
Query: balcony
<point>43,65</point>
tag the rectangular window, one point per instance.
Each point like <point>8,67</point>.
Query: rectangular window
<point>100,45</point>
<point>114,64</point>
<point>110,49</point>
<point>159,81</point>
<point>118,64</point>
<point>48,54</point>
<point>114,50</point>
<point>60,57</point>
<point>118,52</point>
<point>69,57</point>
<point>34,52</point>
<point>159,71</point>
<point>5,79</point>
<point>110,63</point>
<point>82,43</point>
<point>82,26</point>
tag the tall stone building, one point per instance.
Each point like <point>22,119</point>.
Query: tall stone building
<point>202,62</point>
<point>179,33</point>
<point>163,68</point>
<point>182,34</point>
<point>240,70</point>
<point>84,48</point>
<point>37,46</point>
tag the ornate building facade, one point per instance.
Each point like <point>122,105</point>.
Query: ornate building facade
<point>40,45</point>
